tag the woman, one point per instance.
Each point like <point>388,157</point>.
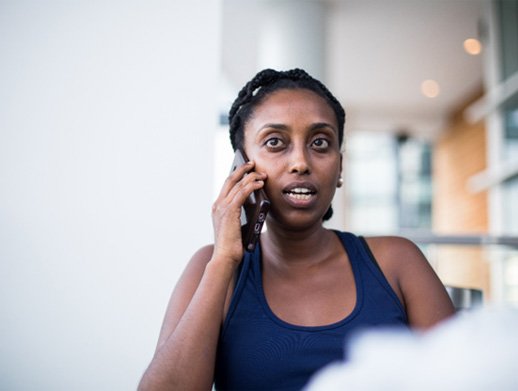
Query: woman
<point>271,318</point>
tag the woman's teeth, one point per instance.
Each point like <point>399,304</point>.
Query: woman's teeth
<point>300,193</point>
<point>300,196</point>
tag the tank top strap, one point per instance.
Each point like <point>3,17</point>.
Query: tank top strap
<point>361,257</point>
<point>242,273</point>
<point>352,246</point>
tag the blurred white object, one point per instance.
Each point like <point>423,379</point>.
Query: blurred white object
<point>475,350</point>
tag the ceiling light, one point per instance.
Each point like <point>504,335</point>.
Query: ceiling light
<point>472,46</point>
<point>430,88</point>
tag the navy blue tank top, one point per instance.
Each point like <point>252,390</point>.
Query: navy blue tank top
<point>259,351</point>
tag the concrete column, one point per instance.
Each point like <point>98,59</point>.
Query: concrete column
<point>293,36</point>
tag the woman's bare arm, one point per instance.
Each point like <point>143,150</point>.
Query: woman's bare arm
<point>186,352</point>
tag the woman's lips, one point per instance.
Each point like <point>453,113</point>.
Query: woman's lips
<point>300,195</point>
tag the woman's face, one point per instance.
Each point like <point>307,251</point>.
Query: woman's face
<point>293,137</point>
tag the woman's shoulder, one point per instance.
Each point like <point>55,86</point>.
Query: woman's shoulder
<point>408,270</point>
<point>398,257</point>
<point>394,247</point>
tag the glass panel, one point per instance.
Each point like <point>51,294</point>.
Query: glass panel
<point>511,130</point>
<point>415,196</point>
<point>371,174</point>
<point>510,205</point>
<point>507,12</point>
<point>389,183</point>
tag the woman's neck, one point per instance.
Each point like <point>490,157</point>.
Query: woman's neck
<point>302,247</point>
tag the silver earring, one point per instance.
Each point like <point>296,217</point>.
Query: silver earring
<point>340,182</point>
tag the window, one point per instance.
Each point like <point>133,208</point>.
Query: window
<point>507,16</point>
<point>389,183</point>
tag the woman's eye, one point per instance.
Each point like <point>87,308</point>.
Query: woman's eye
<point>320,143</point>
<point>274,142</point>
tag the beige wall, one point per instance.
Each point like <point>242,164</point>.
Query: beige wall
<point>458,154</point>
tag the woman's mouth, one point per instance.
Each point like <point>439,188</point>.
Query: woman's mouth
<point>300,193</point>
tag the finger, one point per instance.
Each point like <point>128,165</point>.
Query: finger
<point>238,194</point>
<point>234,177</point>
<point>242,190</point>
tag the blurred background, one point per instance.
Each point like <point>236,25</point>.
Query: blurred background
<point>113,145</point>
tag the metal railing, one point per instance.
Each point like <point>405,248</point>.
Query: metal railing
<point>475,240</point>
<point>494,271</point>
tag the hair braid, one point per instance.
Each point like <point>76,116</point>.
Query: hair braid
<point>263,78</point>
<point>264,83</point>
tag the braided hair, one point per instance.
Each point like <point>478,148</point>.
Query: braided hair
<point>265,83</point>
<point>268,81</point>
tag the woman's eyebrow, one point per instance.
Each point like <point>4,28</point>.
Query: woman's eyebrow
<point>274,126</point>
<point>280,126</point>
<point>320,125</point>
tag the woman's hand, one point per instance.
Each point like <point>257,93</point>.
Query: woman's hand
<point>226,211</point>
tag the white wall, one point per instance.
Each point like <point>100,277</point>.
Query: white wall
<point>107,112</point>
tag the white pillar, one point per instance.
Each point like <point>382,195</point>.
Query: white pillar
<point>293,36</point>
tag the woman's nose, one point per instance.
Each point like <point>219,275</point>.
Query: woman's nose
<point>299,162</point>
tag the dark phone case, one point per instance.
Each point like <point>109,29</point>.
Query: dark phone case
<point>254,210</point>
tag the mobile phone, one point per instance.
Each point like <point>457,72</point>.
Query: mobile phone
<point>253,211</point>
